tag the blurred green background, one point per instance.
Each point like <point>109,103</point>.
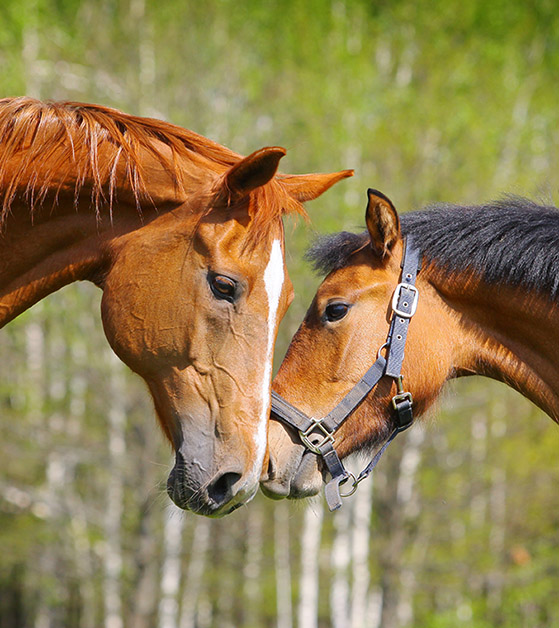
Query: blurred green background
<point>427,101</point>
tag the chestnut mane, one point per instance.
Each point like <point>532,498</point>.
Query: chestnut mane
<point>65,138</point>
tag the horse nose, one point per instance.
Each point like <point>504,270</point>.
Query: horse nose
<point>191,487</point>
<point>222,489</point>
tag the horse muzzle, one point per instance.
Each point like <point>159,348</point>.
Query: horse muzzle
<point>295,478</point>
<point>212,494</point>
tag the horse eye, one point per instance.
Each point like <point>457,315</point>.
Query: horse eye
<point>223,287</point>
<point>335,311</point>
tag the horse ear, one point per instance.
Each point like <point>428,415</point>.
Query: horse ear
<point>382,222</point>
<point>253,171</point>
<point>307,187</point>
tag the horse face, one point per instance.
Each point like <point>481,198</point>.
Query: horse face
<point>192,303</point>
<point>198,320</point>
<point>344,328</point>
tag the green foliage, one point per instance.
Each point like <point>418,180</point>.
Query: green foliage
<point>428,101</point>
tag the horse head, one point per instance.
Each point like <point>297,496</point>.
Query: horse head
<point>341,336</point>
<point>192,303</point>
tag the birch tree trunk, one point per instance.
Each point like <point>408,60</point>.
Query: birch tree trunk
<point>171,568</point>
<point>194,574</point>
<point>144,602</point>
<point>397,607</point>
<point>30,50</point>
<point>79,525</point>
<point>144,71</point>
<point>35,359</point>
<point>115,494</point>
<point>253,566</point>
<point>284,610</point>
<point>229,582</point>
<point>408,500</point>
<point>362,506</point>
<point>339,561</point>
<point>310,544</point>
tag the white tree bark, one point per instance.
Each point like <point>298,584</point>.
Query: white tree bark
<point>253,565</point>
<point>171,568</point>
<point>340,560</point>
<point>79,525</point>
<point>115,495</point>
<point>307,612</point>
<point>30,50</point>
<point>145,70</point>
<point>284,608</point>
<point>146,564</point>
<point>408,500</point>
<point>362,506</point>
<point>35,358</point>
<point>193,582</point>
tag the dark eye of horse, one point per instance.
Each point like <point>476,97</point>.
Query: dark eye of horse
<point>335,311</point>
<point>223,287</point>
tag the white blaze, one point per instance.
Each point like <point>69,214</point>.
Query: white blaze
<point>273,280</point>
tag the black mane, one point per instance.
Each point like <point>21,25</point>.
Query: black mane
<point>512,241</point>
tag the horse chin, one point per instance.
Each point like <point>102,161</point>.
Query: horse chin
<point>308,480</point>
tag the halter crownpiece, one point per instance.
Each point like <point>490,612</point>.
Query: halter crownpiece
<point>317,435</point>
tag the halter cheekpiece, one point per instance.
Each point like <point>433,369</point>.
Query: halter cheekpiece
<point>318,434</point>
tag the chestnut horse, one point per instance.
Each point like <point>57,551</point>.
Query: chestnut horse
<point>185,239</point>
<point>487,305</point>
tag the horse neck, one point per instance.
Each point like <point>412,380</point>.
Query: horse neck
<point>507,333</point>
<point>57,248</point>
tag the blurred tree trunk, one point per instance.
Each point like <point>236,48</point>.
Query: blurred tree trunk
<point>144,68</point>
<point>35,358</point>
<point>193,580</point>
<point>30,49</point>
<point>362,506</point>
<point>229,581</point>
<point>409,501</point>
<point>498,505</point>
<point>171,568</point>
<point>284,609</point>
<point>252,572</point>
<point>146,566</point>
<point>310,544</point>
<point>339,560</point>
<point>112,557</point>
<point>77,355</point>
<point>401,506</point>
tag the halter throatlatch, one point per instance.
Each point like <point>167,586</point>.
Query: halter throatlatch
<point>318,434</point>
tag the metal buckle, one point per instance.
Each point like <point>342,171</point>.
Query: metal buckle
<point>396,297</point>
<point>401,395</point>
<point>398,398</point>
<point>315,447</point>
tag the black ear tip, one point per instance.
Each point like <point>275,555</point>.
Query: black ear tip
<point>374,192</point>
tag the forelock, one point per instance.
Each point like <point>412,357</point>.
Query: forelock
<point>332,252</point>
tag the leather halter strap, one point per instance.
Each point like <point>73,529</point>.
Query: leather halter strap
<point>318,434</point>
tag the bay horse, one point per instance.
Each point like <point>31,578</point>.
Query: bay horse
<point>480,298</point>
<point>185,239</point>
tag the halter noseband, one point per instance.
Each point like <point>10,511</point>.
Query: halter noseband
<point>318,434</point>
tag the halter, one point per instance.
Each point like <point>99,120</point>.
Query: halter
<point>317,435</point>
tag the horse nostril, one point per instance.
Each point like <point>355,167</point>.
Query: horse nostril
<point>221,490</point>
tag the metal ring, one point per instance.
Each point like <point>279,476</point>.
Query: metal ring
<point>381,348</point>
<point>354,484</point>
